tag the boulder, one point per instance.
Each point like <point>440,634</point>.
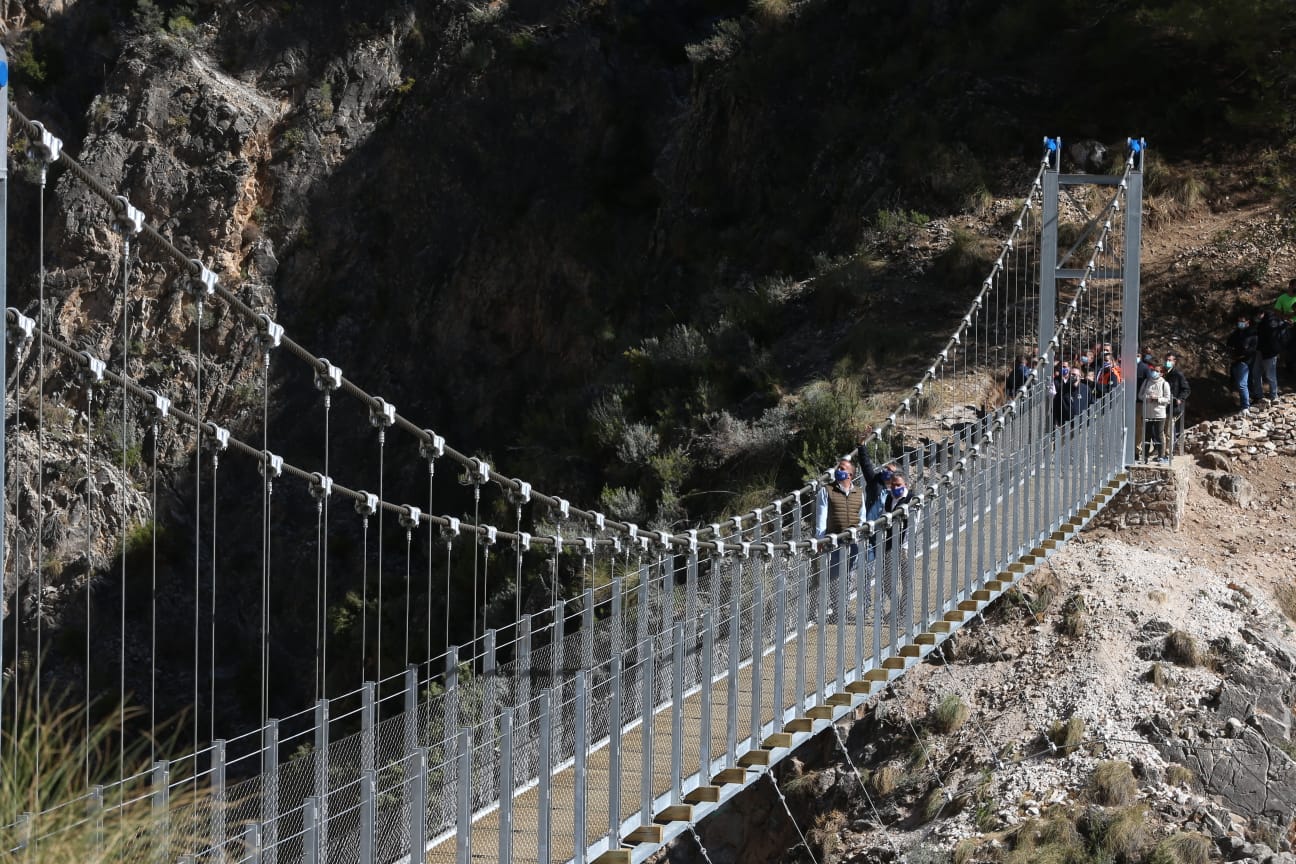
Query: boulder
<point>1231,488</point>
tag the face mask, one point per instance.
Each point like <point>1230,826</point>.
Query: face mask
<point>841,476</point>
<point>1242,325</point>
<point>898,491</point>
<point>1154,374</point>
<point>1169,365</point>
<point>1065,372</point>
<point>885,475</point>
<point>1086,360</point>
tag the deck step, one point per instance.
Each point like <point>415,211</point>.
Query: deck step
<point>646,834</point>
<point>799,724</point>
<point>675,813</point>
<point>703,795</point>
<point>614,856</point>
<point>777,739</point>
<point>820,712</point>
<point>754,757</point>
<point>840,700</point>
<point>727,776</point>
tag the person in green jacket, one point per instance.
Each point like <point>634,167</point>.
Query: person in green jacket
<point>1286,302</point>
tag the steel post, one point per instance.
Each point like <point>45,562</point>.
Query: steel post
<point>802,590</point>
<point>367,727</point>
<point>310,831</point>
<point>780,640</point>
<point>1049,255</point>
<point>587,629</point>
<point>677,715</point>
<point>522,675</point>
<point>757,640</point>
<point>321,755</point>
<point>648,676</point>
<point>161,811</point>
<point>708,676</point>
<point>252,843</point>
<point>614,752</point>
<point>463,824</point>
<point>95,811</point>
<point>270,791</point>
<point>411,708</point>
<point>544,779</point>
<point>490,682</point>
<point>731,691</point>
<point>1130,299</point>
<point>821,672</point>
<point>505,788</point>
<point>369,817</point>
<point>218,794</point>
<point>580,771</point>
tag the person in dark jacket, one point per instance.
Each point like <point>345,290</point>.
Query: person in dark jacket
<point>897,568</point>
<point>1179,391</point>
<point>876,480</point>
<point>1017,377</point>
<point>1269,344</point>
<point>1242,344</point>
<point>1073,395</point>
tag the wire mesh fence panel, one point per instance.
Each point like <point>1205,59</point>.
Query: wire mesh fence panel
<point>391,811</point>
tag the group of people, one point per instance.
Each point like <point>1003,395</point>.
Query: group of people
<point>1256,345</point>
<point>844,504</point>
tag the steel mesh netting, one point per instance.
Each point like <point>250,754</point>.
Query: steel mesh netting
<point>391,809</point>
<point>526,762</point>
<point>341,842</point>
<point>442,795</point>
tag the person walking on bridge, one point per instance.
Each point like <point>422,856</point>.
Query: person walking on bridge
<point>897,569</point>
<point>1269,344</point>
<point>839,506</point>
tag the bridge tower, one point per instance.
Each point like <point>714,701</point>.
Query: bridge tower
<point>1054,269</point>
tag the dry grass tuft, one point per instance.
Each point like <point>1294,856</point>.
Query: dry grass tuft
<point>771,11</point>
<point>1285,594</point>
<point>1119,834</point>
<point>1181,648</point>
<point>1069,735</point>
<point>1157,675</point>
<point>886,778</point>
<point>1075,616</point>
<point>1112,784</point>
<point>949,715</point>
<point>1186,847</point>
<point>1179,775</point>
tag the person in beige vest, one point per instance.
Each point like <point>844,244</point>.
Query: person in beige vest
<point>838,507</point>
<point>1155,398</point>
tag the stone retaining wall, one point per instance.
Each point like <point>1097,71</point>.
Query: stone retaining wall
<point>1155,495</point>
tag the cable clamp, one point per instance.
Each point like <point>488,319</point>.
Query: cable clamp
<point>368,506</point>
<point>321,486</point>
<point>796,496</point>
<point>383,414</point>
<point>616,543</point>
<point>126,219</point>
<point>432,446</point>
<point>272,467</point>
<point>271,333</point>
<point>853,532</point>
<point>218,437</point>
<point>645,544</point>
<point>600,521</point>
<point>557,544</point>
<point>766,551</point>
<point>867,529</point>
<point>410,519</point>
<point>522,494</point>
<point>492,534</point>
<point>744,550</point>
<point>757,515</point>
<point>692,541</point>
<point>450,530</point>
<point>161,406</point>
<point>904,405</point>
<point>777,506</point>
<point>524,541</point>
<point>737,524</point>
<point>327,376</point>
<point>715,530</point>
<point>888,518</point>
<point>48,148</point>
<point>632,532</point>
<point>563,506</point>
<point>21,327</point>
<point>664,539</point>
<point>204,283</point>
<point>587,545</point>
<point>95,368</point>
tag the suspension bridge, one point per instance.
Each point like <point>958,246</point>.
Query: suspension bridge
<point>633,705</point>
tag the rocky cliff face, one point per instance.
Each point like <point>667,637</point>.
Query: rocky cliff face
<point>495,215</point>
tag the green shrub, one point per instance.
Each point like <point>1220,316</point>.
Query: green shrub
<point>1112,784</point>
<point>1118,834</point>
<point>828,415</point>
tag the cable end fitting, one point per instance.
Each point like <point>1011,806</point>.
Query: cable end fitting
<point>160,407</point>
<point>562,505</point>
<point>523,541</point>
<point>126,219</point>
<point>203,283</point>
<point>450,530</point>
<point>272,467</point>
<point>94,372</point>
<point>47,148</point>
<point>432,446</point>
<point>271,333</point>
<point>521,494</point>
<point>327,376</point>
<point>411,518</point>
<point>382,414</point>
<point>321,486</point>
<point>368,505</point>
<point>218,437</point>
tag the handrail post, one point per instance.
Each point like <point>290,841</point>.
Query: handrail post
<point>677,714</point>
<point>505,788</point>
<point>544,770</point>
<point>161,811</point>
<point>368,815</point>
<point>270,791</point>
<point>418,811</point>
<point>463,824</point>
<point>580,835</point>
<point>218,802</point>
<point>322,768</point>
